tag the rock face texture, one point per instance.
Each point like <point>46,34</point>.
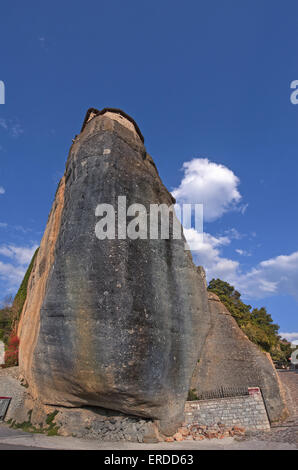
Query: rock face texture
<point>117,324</point>
<point>230,359</point>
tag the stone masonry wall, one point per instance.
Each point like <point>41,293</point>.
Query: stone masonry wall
<point>245,411</point>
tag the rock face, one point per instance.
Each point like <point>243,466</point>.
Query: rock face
<point>117,324</point>
<point>230,359</point>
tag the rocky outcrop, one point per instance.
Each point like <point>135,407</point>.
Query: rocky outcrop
<point>230,359</point>
<point>32,415</point>
<point>114,332</point>
<point>117,324</point>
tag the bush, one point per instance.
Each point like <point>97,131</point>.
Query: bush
<point>11,357</point>
<point>9,318</point>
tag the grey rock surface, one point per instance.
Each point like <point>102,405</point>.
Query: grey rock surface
<point>10,386</point>
<point>122,322</point>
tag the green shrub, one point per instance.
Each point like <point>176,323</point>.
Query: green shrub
<point>192,395</point>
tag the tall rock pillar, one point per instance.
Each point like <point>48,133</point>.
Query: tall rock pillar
<point>120,323</point>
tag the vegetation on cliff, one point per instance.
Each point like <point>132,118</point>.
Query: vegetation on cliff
<point>21,295</point>
<point>5,320</point>
<point>9,317</point>
<point>12,351</point>
<point>256,323</point>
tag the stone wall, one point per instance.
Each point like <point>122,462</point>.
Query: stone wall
<point>245,411</point>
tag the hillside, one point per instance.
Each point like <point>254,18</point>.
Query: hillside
<point>256,323</point>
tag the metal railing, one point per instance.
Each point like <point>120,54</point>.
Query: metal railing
<point>223,392</point>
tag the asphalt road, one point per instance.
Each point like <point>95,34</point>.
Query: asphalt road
<point>16,447</point>
<point>6,433</point>
<point>18,440</point>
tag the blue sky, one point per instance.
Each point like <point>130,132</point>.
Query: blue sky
<point>207,82</point>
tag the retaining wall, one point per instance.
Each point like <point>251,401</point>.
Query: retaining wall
<point>246,411</point>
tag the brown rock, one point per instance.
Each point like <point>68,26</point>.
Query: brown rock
<point>183,431</point>
<point>178,437</point>
<point>239,433</point>
<point>239,429</point>
<point>199,438</point>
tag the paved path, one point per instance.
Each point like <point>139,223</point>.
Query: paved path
<point>18,447</point>
<point>290,381</point>
<point>20,440</point>
<point>286,432</point>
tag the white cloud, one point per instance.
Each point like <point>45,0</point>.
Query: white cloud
<point>3,124</point>
<point>233,233</point>
<point>292,337</point>
<point>275,276</point>
<point>216,187</point>
<point>12,126</point>
<point>12,273</point>
<point>243,208</point>
<point>211,184</point>
<point>2,190</point>
<point>242,252</point>
<point>208,254</point>
<point>20,228</point>
<point>21,254</point>
<point>16,130</point>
